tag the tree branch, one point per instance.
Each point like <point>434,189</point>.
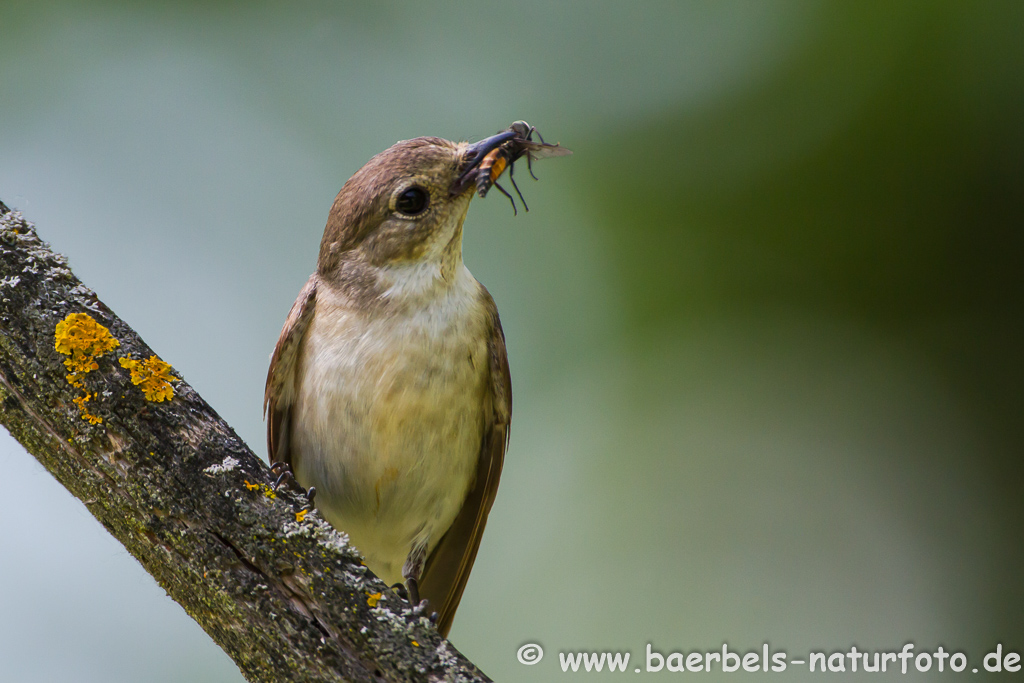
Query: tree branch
<point>283,594</point>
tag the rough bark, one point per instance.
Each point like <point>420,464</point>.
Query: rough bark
<point>286,598</point>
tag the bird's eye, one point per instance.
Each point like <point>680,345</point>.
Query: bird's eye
<point>413,201</point>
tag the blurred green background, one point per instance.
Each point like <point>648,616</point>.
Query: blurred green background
<point>765,326</point>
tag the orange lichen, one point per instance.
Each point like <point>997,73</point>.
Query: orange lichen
<point>80,401</point>
<point>84,340</point>
<point>153,376</point>
<point>79,335</point>
<point>267,491</point>
<point>372,599</point>
<point>300,515</point>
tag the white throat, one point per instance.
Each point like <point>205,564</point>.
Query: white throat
<point>436,273</point>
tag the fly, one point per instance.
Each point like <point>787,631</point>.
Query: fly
<point>505,149</point>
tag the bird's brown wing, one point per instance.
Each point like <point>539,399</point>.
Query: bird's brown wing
<point>447,569</point>
<point>280,391</point>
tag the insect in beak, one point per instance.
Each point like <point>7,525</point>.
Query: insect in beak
<point>486,160</point>
<point>475,154</point>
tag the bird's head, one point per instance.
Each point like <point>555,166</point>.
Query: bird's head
<point>405,206</point>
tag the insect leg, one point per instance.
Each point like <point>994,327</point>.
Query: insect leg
<point>529,165</point>
<point>514,212</point>
<point>511,168</point>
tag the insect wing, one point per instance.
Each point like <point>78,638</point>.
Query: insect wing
<point>539,150</point>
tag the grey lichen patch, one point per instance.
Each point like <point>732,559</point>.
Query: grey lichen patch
<point>334,541</point>
<point>226,465</point>
<point>397,620</point>
<point>85,297</point>
<point>37,258</point>
<point>355,579</point>
<point>445,655</point>
<point>13,225</point>
<point>292,529</point>
<point>451,671</point>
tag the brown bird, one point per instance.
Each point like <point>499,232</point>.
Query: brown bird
<point>389,388</point>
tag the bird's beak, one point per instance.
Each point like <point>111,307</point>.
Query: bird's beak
<point>472,157</point>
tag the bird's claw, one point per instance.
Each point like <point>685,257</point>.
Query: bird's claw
<point>411,592</point>
<point>422,608</point>
<point>284,473</point>
<point>287,473</point>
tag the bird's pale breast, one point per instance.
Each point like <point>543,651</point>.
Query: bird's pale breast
<point>388,418</point>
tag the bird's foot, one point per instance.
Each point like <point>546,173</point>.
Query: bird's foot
<point>283,471</point>
<point>420,607</point>
<point>284,474</point>
<point>413,586</point>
